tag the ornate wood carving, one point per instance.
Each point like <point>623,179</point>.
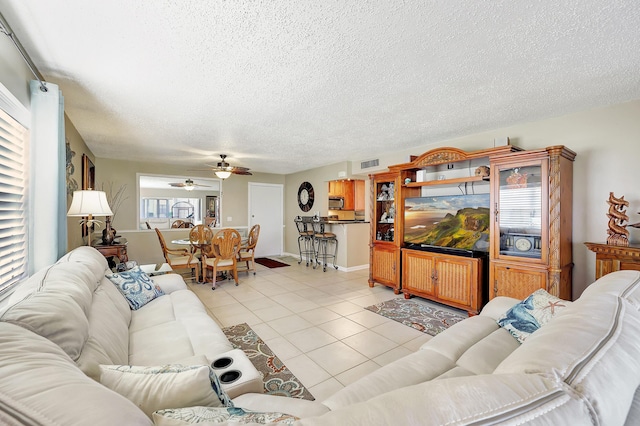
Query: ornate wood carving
<point>440,157</point>
<point>554,225</point>
<point>618,234</point>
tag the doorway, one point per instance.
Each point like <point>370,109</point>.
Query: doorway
<point>266,204</point>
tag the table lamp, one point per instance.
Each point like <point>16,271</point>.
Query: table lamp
<point>89,203</point>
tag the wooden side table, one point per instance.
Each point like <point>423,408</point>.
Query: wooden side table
<point>114,250</point>
<point>611,258</point>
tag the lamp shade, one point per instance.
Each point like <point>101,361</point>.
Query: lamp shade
<point>223,174</point>
<point>87,203</point>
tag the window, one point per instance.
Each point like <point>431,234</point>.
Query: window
<point>155,207</point>
<point>172,208</point>
<point>13,209</point>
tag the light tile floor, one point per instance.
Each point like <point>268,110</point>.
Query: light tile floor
<point>314,321</point>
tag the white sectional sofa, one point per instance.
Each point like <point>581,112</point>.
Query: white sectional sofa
<point>581,368</point>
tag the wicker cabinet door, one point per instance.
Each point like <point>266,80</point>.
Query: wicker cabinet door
<point>418,270</point>
<point>455,279</point>
<point>384,265</point>
<point>516,282</point>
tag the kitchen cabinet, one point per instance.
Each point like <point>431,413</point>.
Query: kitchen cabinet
<point>352,191</point>
<point>358,195</point>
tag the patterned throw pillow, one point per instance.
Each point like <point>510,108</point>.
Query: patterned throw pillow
<point>167,386</point>
<point>532,313</point>
<point>136,287</point>
<point>210,415</point>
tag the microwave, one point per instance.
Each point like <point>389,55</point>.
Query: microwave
<point>336,203</point>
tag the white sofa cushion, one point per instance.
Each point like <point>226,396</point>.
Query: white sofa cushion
<point>58,307</point>
<point>108,341</point>
<point>496,399</point>
<point>473,346</point>
<point>592,346</point>
<point>40,384</point>
<point>89,257</point>
<point>173,327</point>
<point>625,284</point>
<point>167,386</point>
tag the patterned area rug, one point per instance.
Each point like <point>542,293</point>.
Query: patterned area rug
<point>417,315</point>
<point>278,380</point>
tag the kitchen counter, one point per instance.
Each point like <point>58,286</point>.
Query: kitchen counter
<point>353,243</point>
<point>345,222</point>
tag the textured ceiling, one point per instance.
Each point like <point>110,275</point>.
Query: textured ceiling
<point>282,86</point>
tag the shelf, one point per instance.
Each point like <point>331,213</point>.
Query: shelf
<point>447,181</point>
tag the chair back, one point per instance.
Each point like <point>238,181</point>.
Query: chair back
<point>303,225</point>
<point>200,235</point>
<point>225,244</point>
<point>163,245</point>
<point>253,237</point>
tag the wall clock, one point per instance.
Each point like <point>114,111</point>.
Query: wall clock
<point>305,196</point>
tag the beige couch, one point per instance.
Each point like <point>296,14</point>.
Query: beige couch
<point>580,368</point>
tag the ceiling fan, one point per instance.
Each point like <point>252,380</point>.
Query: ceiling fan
<point>188,184</point>
<point>223,169</point>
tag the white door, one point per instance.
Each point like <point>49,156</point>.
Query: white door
<point>266,205</point>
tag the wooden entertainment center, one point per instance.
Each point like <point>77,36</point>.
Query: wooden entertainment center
<point>525,246</point>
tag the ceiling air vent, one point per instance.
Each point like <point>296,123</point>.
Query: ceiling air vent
<point>369,164</point>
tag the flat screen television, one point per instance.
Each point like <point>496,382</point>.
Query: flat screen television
<point>452,222</point>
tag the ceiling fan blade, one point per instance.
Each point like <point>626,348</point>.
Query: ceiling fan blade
<point>241,171</point>
<point>177,185</point>
<point>223,166</point>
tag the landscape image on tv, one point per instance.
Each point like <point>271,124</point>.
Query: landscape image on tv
<point>458,221</point>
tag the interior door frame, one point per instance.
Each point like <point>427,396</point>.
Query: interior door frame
<point>278,216</point>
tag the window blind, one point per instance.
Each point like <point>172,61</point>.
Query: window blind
<point>13,209</point>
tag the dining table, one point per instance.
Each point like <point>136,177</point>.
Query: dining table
<point>202,246</point>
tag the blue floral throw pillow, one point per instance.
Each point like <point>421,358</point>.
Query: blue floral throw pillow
<point>532,313</point>
<point>136,287</point>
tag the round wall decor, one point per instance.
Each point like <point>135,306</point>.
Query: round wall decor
<point>305,196</point>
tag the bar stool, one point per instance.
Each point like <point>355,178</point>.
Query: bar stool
<point>305,239</point>
<point>323,239</point>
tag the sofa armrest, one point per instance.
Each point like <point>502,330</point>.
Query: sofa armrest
<point>170,282</point>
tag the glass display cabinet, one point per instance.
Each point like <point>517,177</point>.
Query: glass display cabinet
<point>385,244</point>
<point>531,208</point>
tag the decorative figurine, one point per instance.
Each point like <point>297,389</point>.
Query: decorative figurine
<point>618,234</point>
<point>517,179</point>
<point>482,171</point>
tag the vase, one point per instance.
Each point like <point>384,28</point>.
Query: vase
<point>108,233</point>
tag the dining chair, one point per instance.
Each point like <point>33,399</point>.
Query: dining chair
<point>222,254</point>
<point>247,250</point>
<point>200,238</point>
<point>179,258</point>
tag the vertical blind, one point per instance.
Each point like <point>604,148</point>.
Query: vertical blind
<point>13,209</point>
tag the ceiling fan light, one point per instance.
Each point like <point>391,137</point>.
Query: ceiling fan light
<point>223,174</point>
<point>189,187</point>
